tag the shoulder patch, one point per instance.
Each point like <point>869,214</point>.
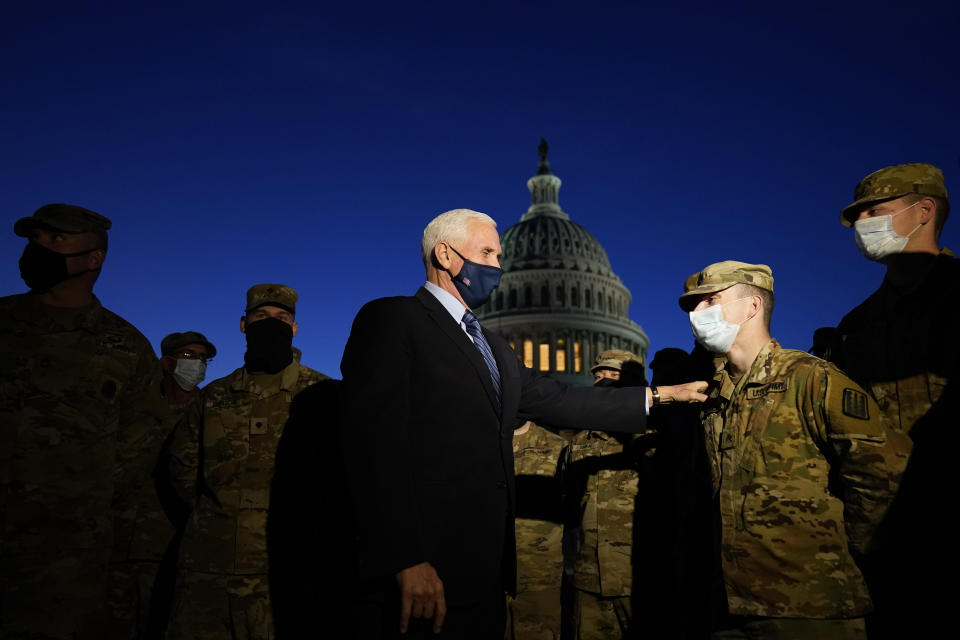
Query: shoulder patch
<point>855,404</point>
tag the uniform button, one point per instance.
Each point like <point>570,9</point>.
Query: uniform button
<point>501,484</point>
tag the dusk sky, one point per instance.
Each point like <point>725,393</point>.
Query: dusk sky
<point>233,143</point>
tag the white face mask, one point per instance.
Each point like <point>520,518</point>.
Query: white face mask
<point>189,373</point>
<point>876,238</point>
<point>710,329</point>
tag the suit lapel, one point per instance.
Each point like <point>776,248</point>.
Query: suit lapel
<point>452,329</point>
<point>507,365</point>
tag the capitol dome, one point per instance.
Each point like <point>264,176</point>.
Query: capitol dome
<point>552,242</point>
<point>559,302</point>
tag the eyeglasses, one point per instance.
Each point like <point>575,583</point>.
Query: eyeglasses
<point>189,355</point>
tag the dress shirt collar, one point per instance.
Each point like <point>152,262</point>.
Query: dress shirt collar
<point>453,306</point>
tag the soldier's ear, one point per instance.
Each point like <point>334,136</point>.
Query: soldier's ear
<point>95,259</point>
<point>168,364</point>
<point>294,327</point>
<point>243,324</point>
<point>928,210</point>
<point>756,305</point>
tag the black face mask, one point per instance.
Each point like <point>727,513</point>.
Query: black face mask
<point>268,345</point>
<point>42,268</point>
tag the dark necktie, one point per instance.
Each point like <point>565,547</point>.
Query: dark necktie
<point>473,328</point>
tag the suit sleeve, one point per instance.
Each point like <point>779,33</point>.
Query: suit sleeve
<point>375,442</point>
<point>549,402</point>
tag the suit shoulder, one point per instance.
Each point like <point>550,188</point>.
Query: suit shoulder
<point>393,311</point>
<point>388,304</point>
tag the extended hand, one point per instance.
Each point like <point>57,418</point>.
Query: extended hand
<point>687,392</point>
<point>421,596</point>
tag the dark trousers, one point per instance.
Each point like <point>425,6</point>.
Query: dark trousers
<point>484,620</point>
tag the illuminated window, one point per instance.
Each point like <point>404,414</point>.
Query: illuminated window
<point>577,358</point>
<point>561,355</point>
<point>528,353</point>
<point>544,356</point>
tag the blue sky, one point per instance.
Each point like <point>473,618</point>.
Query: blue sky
<point>234,143</point>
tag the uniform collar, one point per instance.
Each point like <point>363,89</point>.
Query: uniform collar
<point>761,371</point>
<point>268,383</point>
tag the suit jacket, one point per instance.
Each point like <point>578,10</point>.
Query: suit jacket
<point>428,455</point>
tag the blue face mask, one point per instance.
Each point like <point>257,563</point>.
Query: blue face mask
<point>476,282</point>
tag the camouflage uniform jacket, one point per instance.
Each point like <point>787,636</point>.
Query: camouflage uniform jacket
<point>80,427</point>
<point>805,468</point>
<point>539,532</point>
<point>902,347</point>
<point>606,477</point>
<point>228,442</point>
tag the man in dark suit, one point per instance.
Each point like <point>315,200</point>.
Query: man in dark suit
<point>430,404</point>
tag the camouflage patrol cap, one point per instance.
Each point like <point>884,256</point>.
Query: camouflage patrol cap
<point>277,295</point>
<point>723,275</point>
<point>62,217</point>
<point>895,182</point>
<point>175,341</point>
<point>614,359</point>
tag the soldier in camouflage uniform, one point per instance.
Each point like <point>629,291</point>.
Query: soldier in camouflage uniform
<point>535,612</point>
<point>184,357</point>
<point>227,443</point>
<point>601,470</point>
<point>803,467</point>
<point>80,425</point>
<point>161,516</point>
<point>901,345</point>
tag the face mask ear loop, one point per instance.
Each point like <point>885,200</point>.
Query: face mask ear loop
<point>759,309</point>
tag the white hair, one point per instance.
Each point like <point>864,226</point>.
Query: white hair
<point>449,227</point>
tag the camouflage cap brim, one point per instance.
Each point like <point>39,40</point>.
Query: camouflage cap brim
<point>24,226</point>
<point>68,218</point>
<point>615,365</point>
<point>723,275</point>
<point>274,295</point>
<point>688,300</point>
<point>178,340</point>
<point>849,213</point>
<point>894,182</point>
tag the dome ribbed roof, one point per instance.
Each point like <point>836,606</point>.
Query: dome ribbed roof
<point>550,242</point>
